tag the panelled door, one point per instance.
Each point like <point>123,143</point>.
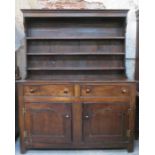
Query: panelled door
<point>48,122</point>
<point>105,122</point>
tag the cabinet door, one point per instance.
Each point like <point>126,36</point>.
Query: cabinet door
<point>105,122</point>
<point>48,122</point>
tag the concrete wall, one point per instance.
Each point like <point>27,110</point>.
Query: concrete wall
<point>132,5</point>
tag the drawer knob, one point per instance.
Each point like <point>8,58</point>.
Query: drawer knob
<point>124,90</point>
<point>67,116</point>
<point>66,90</point>
<point>88,90</point>
<point>32,90</point>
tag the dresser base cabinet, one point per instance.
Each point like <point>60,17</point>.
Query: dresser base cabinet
<point>76,115</point>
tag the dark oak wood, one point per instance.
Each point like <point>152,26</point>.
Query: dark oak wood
<point>75,46</point>
<point>74,13</point>
<point>21,118</point>
<point>76,94</point>
<point>115,120</point>
<point>48,123</point>
<point>77,53</point>
<point>17,77</point>
<point>49,90</point>
<point>137,77</point>
<point>105,90</point>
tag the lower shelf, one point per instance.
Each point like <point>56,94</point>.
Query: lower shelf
<point>76,75</point>
<point>76,68</point>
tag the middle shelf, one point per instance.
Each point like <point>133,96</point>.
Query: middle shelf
<point>75,62</point>
<point>77,38</point>
<point>76,53</point>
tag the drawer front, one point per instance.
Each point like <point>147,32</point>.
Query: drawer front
<point>105,90</point>
<point>49,90</point>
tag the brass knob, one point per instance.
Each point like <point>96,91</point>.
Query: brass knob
<point>66,90</point>
<point>124,90</point>
<point>32,90</point>
<point>67,116</point>
<point>88,90</point>
<point>86,116</point>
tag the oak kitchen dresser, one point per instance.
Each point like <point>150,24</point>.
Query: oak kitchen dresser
<point>76,94</point>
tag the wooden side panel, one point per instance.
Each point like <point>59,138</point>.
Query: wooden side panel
<point>131,114</point>
<point>21,118</point>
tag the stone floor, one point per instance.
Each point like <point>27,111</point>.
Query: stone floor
<point>78,152</point>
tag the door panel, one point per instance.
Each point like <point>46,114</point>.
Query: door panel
<point>103,122</point>
<point>48,122</point>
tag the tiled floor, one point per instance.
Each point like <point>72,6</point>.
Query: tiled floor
<point>79,152</point>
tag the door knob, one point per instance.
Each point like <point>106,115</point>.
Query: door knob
<point>86,116</point>
<point>67,116</point>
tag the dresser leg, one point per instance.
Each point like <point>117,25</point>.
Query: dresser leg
<point>130,147</point>
<point>22,149</point>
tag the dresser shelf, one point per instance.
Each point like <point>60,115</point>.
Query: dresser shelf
<point>77,38</point>
<point>75,53</point>
<point>77,68</point>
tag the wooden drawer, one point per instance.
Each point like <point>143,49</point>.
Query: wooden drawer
<point>49,90</point>
<point>105,90</point>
